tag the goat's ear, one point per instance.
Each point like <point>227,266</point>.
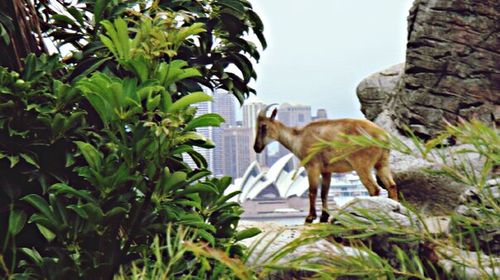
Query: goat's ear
<point>273,114</point>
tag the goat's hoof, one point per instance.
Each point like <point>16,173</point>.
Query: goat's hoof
<point>310,219</point>
<point>324,217</point>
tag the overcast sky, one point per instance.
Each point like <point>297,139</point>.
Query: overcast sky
<point>319,50</point>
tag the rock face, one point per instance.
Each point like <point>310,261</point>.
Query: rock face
<point>452,67</point>
<point>432,195</point>
<point>376,91</point>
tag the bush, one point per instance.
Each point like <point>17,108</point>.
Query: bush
<point>91,152</point>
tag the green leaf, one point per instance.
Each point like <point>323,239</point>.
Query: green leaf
<point>58,18</point>
<point>207,236</point>
<point>33,254</point>
<point>39,203</point>
<point>188,100</point>
<point>17,220</point>
<point>13,160</point>
<point>170,181</point>
<point>79,211</point>
<point>198,159</point>
<point>76,14</point>
<point>122,31</point>
<point>199,187</point>
<point>59,188</point>
<point>99,7</point>
<point>205,120</point>
<point>247,233</point>
<point>92,156</point>
<point>48,234</point>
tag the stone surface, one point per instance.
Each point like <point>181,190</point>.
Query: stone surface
<point>387,213</point>
<point>431,194</point>
<point>461,264</point>
<point>477,219</point>
<point>452,68</point>
<point>376,92</point>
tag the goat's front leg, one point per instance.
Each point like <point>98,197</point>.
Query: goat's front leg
<point>313,176</point>
<point>325,187</point>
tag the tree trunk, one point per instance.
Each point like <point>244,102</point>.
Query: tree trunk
<point>24,33</point>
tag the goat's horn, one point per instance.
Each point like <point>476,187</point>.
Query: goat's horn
<point>264,111</point>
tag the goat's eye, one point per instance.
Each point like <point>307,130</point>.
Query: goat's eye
<point>263,128</point>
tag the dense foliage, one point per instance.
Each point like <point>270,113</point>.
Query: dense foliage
<point>92,146</point>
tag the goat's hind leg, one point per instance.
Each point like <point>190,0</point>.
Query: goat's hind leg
<point>384,173</point>
<point>368,181</point>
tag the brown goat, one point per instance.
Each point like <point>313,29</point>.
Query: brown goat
<point>300,140</point>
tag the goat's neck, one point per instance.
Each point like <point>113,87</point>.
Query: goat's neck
<point>289,137</point>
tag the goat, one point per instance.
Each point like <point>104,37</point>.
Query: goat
<point>299,140</point>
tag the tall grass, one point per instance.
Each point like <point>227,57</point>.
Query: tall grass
<point>348,248</point>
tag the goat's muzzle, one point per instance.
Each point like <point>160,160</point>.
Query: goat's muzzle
<point>258,148</point>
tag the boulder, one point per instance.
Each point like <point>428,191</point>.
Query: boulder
<point>376,92</point>
<point>432,195</point>
<point>452,68</point>
<point>360,214</point>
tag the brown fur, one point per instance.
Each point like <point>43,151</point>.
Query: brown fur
<point>300,140</point>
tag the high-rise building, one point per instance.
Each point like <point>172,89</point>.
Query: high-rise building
<point>321,114</point>
<point>238,153</point>
<point>250,112</point>
<point>294,115</point>
<point>224,105</point>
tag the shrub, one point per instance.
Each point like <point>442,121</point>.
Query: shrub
<point>91,152</point>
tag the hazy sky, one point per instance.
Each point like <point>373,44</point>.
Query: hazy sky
<point>319,50</point>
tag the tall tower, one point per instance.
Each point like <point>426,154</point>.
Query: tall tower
<point>224,105</point>
<point>250,112</point>
<point>238,152</point>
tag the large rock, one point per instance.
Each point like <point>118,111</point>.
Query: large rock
<point>432,195</point>
<point>359,215</point>
<point>376,92</point>
<point>452,67</point>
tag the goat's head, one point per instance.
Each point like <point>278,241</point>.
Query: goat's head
<point>266,130</point>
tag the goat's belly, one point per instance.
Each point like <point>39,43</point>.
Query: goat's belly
<point>339,166</point>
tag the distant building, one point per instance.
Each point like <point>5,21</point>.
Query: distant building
<point>250,112</point>
<point>294,115</point>
<point>224,105</point>
<point>321,114</point>
<point>237,151</point>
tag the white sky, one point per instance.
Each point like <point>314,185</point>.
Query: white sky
<point>319,50</point>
